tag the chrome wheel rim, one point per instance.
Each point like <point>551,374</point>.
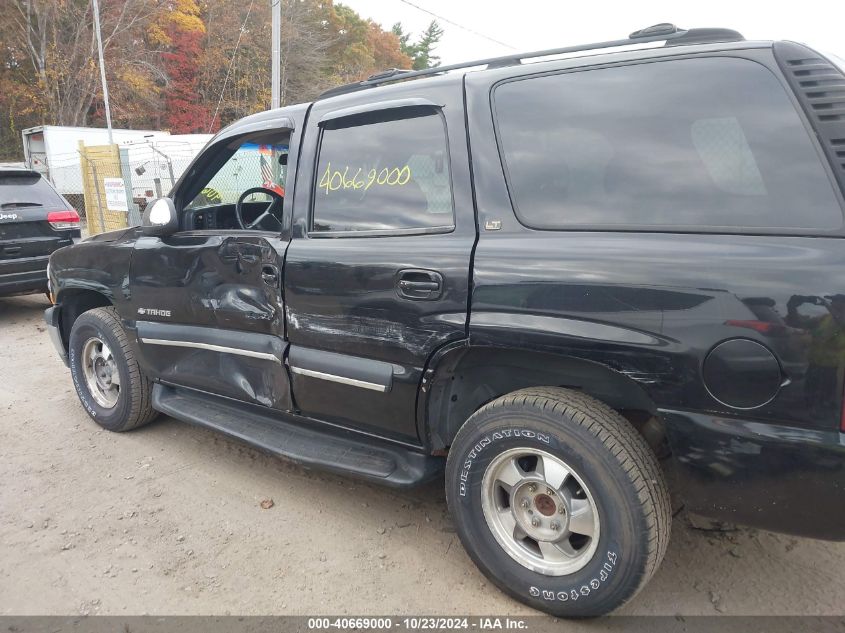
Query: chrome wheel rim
<point>101,375</point>
<point>540,511</point>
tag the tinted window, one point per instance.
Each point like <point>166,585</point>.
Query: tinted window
<point>383,175</point>
<point>700,142</point>
<point>28,190</point>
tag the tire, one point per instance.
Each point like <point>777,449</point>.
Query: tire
<point>614,503</point>
<point>132,401</point>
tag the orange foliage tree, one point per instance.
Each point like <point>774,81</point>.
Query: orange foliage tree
<point>167,61</point>
<point>181,31</point>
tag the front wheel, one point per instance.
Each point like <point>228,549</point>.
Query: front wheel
<point>558,500</point>
<point>109,382</point>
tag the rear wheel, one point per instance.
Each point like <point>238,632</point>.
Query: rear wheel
<point>109,382</point>
<point>558,500</point>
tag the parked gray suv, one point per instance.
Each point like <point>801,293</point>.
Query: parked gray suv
<point>35,220</point>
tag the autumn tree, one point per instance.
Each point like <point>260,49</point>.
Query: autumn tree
<point>385,49</point>
<point>351,56</point>
<point>362,47</point>
<point>49,72</point>
<point>182,65</point>
<point>180,31</point>
<point>20,97</point>
<point>323,44</point>
<point>308,38</point>
<point>230,81</point>
<point>57,38</point>
<point>235,75</point>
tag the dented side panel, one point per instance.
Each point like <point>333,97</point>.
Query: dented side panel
<point>213,313</point>
<point>342,298</point>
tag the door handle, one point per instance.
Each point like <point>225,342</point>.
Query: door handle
<point>270,275</point>
<point>419,285</point>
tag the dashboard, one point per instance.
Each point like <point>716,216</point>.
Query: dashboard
<point>222,217</point>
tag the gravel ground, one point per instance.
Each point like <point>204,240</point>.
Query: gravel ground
<point>169,520</point>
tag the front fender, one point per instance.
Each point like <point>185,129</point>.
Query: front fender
<point>93,266</point>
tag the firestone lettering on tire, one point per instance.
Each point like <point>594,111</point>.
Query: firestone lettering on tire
<point>578,592</point>
<point>487,440</point>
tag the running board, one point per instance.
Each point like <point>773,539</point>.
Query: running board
<point>331,449</point>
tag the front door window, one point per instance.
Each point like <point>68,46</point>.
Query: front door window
<point>247,190</point>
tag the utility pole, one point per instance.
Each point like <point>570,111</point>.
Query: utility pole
<point>276,47</point>
<point>102,67</point>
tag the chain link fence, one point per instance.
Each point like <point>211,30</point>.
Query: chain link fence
<point>88,179</point>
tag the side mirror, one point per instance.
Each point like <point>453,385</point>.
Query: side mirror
<point>160,218</point>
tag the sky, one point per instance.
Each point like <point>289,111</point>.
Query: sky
<point>527,25</point>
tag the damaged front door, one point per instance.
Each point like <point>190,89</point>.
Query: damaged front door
<point>210,315</point>
<point>208,298</point>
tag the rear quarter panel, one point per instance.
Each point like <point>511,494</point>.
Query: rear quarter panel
<point>651,306</point>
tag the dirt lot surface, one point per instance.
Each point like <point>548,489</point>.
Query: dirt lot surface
<point>168,520</point>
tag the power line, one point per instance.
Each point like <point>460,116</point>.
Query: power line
<point>460,26</point>
<point>229,70</point>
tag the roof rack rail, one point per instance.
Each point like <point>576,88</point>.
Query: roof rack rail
<point>664,31</point>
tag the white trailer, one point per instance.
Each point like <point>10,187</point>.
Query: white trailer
<point>53,150</point>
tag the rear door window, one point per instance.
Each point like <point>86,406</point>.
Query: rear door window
<point>383,173</point>
<point>704,143</point>
<point>26,190</point>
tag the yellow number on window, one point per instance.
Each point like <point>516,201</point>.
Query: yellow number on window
<point>325,181</point>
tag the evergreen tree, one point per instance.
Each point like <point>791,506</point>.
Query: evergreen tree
<point>425,57</point>
<point>421,52</point>
<point>404,40</point>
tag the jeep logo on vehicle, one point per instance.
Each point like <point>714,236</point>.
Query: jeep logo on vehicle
<point>9,216</point>
<point>154,312</point>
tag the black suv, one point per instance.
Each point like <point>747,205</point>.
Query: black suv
<point>35,221</point>
<point>555,278</point>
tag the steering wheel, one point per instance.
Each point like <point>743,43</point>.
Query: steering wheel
<point>276,202</point>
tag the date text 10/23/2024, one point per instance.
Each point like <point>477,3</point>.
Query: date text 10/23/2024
<point>428,623</point>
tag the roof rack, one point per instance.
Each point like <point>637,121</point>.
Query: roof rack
<point>664,31</point>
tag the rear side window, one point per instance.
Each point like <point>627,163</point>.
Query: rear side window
<point>389,174</point>
<point>686,143</point>
<point>26,190</point>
